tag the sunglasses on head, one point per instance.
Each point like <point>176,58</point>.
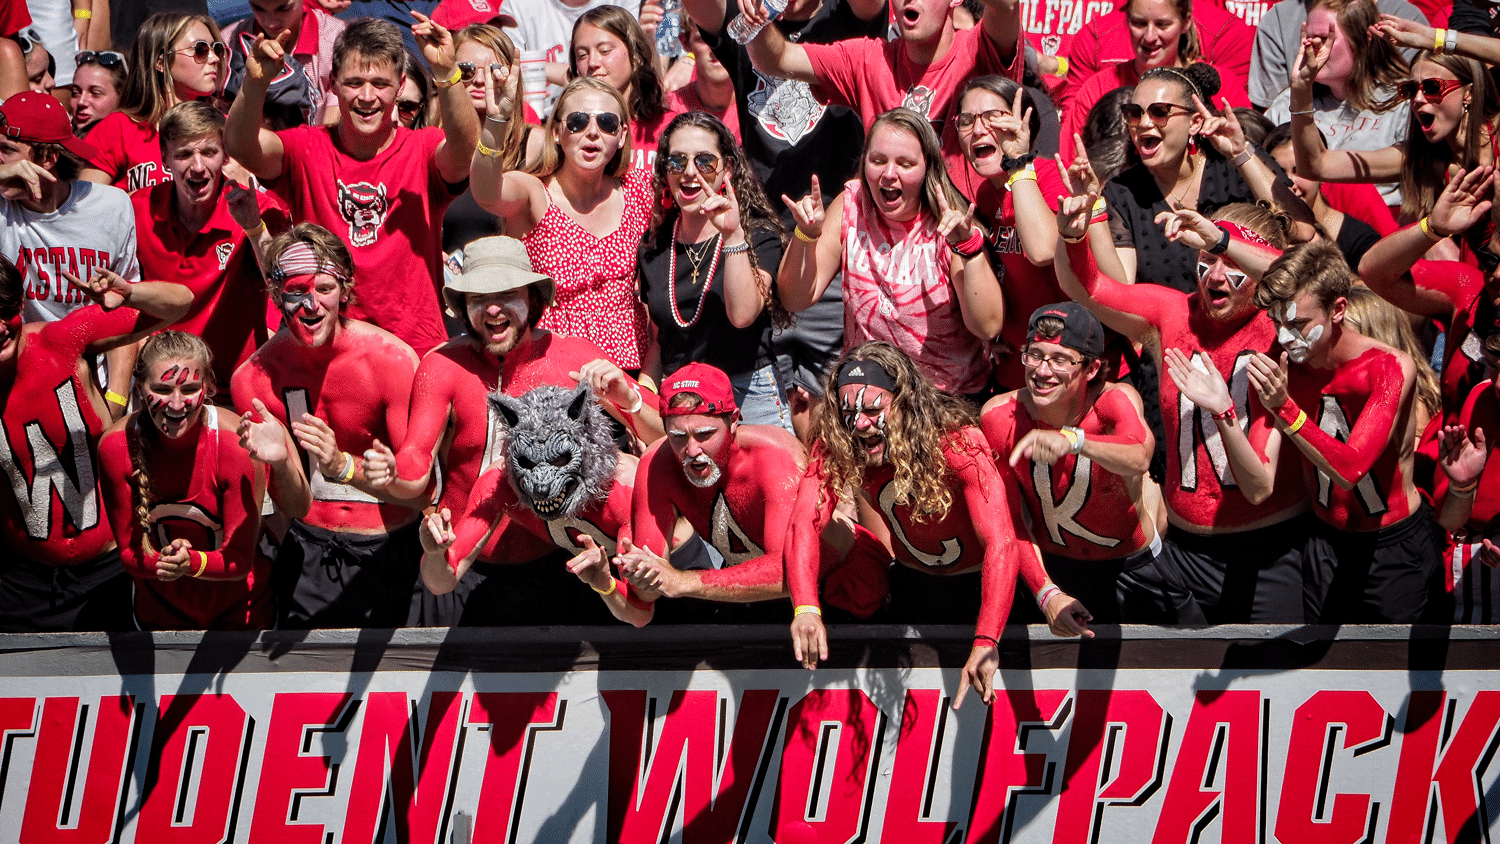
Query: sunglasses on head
<point>1158,112</point>
<point>706,163</point>
<point>468,70</point>
<point>103,58</point>
<point>1236,278</point>
<point>1432,89</point>
<point>201,49</point>
<point>608,121</point>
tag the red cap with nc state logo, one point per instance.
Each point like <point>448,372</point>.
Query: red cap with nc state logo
<point>35,118</point>
<point>708,383</point>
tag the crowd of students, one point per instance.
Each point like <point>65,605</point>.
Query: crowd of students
<point>884,311</point>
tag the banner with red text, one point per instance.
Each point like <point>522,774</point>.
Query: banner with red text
<point>709,735</point>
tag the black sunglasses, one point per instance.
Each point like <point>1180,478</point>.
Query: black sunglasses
<point>575,122</point>
<point>201,49</point>
<point>1158,112</point>
<point>1488,261</point>
<point>468,70</point>
<point>408,108</point>
<point>706,163</point>
<point>103,58</point>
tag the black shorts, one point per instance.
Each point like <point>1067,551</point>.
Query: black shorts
<point>1133,590</point>
<point>920,598</point>
<point>86,597</point>
<point>1253,576</point>
<point>326,578</point>
<point>1389,576</point>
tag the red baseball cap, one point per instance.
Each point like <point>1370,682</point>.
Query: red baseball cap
<point>709,383</point>
<point>35,118</point>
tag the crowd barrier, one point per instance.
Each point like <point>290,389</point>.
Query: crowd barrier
<point>710,735</point>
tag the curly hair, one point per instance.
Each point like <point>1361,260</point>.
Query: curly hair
<point>756,215</point>
<point>922,420</point>
<point>148,91</point>
<point>139,432</point>
<point>647,93</point>
<point>1424,169</point>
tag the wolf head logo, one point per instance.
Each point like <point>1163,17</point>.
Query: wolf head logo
<point>364,206</point>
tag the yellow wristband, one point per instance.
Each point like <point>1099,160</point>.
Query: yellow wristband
<point>260,227</point>
<point>1062,66</point>
<point>807,608</point>
<point>1431,232</point>
<point>202,563</point>
<point>348,474</point>
<point>83,14</point>
<point>1439,36</point>
<point>1023,175</point>
<point>1297,423</point>
<point>802,235</point>
<point>485,151</point>
<point>450,81</point>
<point>614,586</point>
<point>115,398</point>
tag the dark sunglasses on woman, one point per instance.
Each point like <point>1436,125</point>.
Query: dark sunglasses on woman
<point>1158,112</point>
<point>575,122</point>
<point>201,49</point>
<point>408,108</point>
<point>706,163</point>
<point>468,70</point>
<point>103,58</point>
<point>1432,89</point>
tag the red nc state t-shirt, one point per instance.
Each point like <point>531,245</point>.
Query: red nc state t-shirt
<point>129,152</point>
<point>389,210</point>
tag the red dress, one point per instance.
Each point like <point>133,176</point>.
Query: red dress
<point>596,284</point>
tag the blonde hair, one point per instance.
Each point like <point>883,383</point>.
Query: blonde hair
<point>1368,314</point>
<point>140,433</point>
<point>551,157</point>
<point>148,92</point>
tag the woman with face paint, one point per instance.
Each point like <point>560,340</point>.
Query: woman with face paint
<point>915,270</point>
<point>183,497</point>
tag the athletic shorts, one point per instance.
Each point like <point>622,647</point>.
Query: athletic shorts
<point>921,598</point>
<point>85,597</point>
<point>1389,576</point>
<point>1132,590</point>
<point>326,578</point>
<point>1475,587</point>
<point>1253,576</point>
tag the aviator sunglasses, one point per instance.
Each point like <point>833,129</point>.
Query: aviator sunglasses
<point>706,163</point>
<point>103,58</point>
<point>468,70</point>
<point>608,121</point>
<point>201,49</point>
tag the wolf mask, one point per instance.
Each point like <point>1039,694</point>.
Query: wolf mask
<point>559,454</point>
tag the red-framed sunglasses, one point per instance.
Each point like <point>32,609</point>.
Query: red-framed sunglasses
<point>1434,90</point>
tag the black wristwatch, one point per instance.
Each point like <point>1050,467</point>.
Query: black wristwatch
<point>1223,245</point>
<point>1011,165</point>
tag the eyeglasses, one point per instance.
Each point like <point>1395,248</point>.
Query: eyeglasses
<point>608,121</point>
<point>1236,278</point>
<point>408,108</point>
<point>1057,363</point>
<point>1488,261</point>
<point>1158,112</point>
<point>1434,90</point>
<point>706,163</point>
<point>966,120</point>
<point>468,70</point>
<point>201,49</point>
<point>103,58</point>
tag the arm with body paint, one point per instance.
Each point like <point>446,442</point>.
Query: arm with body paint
<point>393,366</point>
<point>448,548</point>
<point>426,424</point>
<point>1390,380</point>
<point>1201,382</point>
<point>812,510</point>
<point>240,478</point>
<point>652,513</point>
<point>1391,266</point>
<point>1126,308</point>
<point>984,496</point>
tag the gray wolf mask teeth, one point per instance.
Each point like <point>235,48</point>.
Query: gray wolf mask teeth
<point>559,454</point>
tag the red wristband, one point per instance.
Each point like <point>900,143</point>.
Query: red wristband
<point>1226,416</point>
<point>970,247</point>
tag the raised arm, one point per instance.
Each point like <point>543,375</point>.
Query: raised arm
<point>259,150</point>
<point>520,198</point>
<point>1314,159</point>
<point>1002,25</point>
<point>1407,34</point>
<point>460,124</point>
<point>1196,231</point>
<point>770,51</point>
<point>980,300</point>
<point>1223,130</point>
<point>1122,307</point>
<point>815,252</point>
<point>1387,266</point>
<point>158,303</point>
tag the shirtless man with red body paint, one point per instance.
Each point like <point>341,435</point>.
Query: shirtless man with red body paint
<point>1235,509</point>
<point>1077,449</point>
<point>451,422</point>
<point>735,485</point>
<point>63,572</point>
<point>343,387</point>
<point>1345,401</point>
<point>942,504</point>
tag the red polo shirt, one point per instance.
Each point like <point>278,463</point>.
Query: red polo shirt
<point>229,295</point>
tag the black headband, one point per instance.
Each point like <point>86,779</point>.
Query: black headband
<point>864,372</point>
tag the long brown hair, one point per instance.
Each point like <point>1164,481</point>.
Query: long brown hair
<point>923,419</point>
<point>648,94</point>
<point>494,39</point>
<point>140,433</point>
<point>1424,170</point>
<point>936,182</point>
<point>148,91</point>
<point>1378,67</point>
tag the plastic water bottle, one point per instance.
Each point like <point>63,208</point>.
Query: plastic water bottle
<point>740,29</point>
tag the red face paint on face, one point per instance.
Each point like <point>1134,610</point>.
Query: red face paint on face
<point>174,394</point>
<point>11,338</point>
<point>865,409</point>
<point>310,304</point>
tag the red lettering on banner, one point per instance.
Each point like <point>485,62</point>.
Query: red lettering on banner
<point>1216,772</point>
<point>48,820</point>
<point>385,758</point>
<point>220,726</point>
<point>287,771</point>
<point>683,760</point>
<point>1301,814</point>
<point>513,718</point>
<point>917,750</point>
<point>832,740</point>
<point>1006,769</point>
<point>1454,780</point>
<point>1134,759</point>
